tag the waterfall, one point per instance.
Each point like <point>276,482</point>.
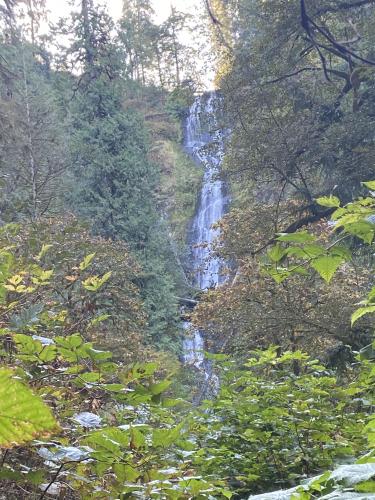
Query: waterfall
<point>204,142</point>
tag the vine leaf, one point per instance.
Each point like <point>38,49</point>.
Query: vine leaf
<point>23,415</point>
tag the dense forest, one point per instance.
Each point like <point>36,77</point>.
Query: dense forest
<point>187,223</point>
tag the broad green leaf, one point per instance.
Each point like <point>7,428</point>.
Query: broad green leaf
<point>156,389</point>
<point>361,312</point>
<point>362,229</point>
<point>276,253</point>
<point>326,266</point>
<point>42,277</point>
<point>32,350</point>
<point>166,437</point>
<point>371,295</point>
<point>279,275</point>
<point>337,214</point>
<point>140,371</point>
<point>347,219</point>
<point>366,487</point>
<point>307,251</point>
<point>170,403</point>
<point>365,202</point>
<point>125,473</point>
<point>299,237</point>
<point>109,440</point>
<point>97,355</point>
<point>137,439</point>
<point>99,319</point>
<point>15,280</point>
<point>341,251</point>
<point>23,416</point>
<point>227,493</point>
<point>114,387</point>
<point>48,354</point>
<point>328,201</point>
<point>72,341</point>
<point>370,185</point>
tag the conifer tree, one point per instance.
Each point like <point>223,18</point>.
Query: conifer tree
<point>113,182</point>
<point>33,142</point>
<point>137,32</point>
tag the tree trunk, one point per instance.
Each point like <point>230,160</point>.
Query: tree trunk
<point>86,5</point>
<point>32,166</point>
<point>177,63</point>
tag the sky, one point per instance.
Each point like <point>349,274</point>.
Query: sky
<point>59,8</point>
<point>162,8</point>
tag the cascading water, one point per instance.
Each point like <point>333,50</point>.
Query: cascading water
<point>204,141</point>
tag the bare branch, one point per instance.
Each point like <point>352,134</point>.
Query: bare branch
<point>214,19</point>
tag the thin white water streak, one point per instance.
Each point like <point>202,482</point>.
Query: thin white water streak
<point>204,141</point>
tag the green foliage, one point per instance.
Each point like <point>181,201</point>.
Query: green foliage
<point>329,201</point>
<point>119,430</point>
<point>158,52</point>
<point>33,156</point>
<point>73,285</point>
<point>356,218</point>
<point>179,101</point>
<point>278,418</point>
<point>361,312</point>
<point>93,283</point>
<point>113,182</point>
<point>352,220</point>
<point>23,416</point>
<point>327,265</point>
<point>180,183</point>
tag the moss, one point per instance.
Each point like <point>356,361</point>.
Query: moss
<point>180,184</point>
<point>181,178</point>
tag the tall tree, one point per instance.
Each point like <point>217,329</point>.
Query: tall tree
<point>173,47</point>
<point>299,90</point>
<point>35,12</point>
<point>32,147</point>
<point>113,182</point>
<point>137,32</point>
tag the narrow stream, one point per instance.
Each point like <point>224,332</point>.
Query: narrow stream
<point>204,141</point>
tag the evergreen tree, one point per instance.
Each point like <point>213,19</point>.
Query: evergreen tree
<point>173,47</point>
<point>137,33</point>
<point>113,182</point>
<point>33,144</point>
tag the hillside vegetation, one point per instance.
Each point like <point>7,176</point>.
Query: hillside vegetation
<point>98,398</point>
